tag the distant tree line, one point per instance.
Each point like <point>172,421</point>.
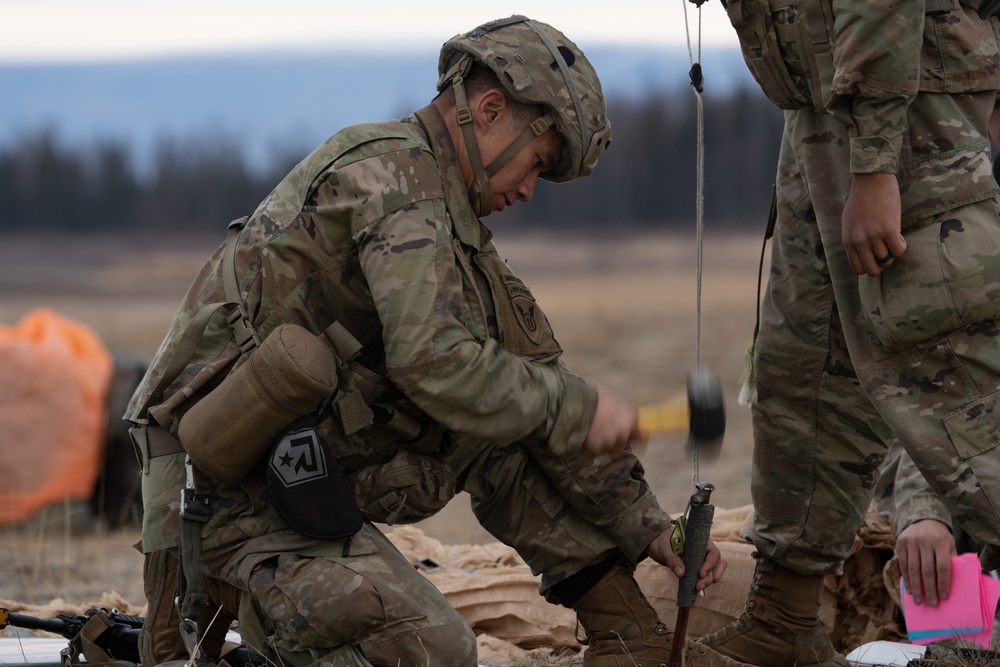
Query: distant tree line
<point>647,179</point>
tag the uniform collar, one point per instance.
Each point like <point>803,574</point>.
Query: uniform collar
<point>466,226</point>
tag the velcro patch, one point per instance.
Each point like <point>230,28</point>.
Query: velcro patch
<point>297,458</point>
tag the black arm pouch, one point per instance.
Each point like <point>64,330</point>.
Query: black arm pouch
<point>307,485</point>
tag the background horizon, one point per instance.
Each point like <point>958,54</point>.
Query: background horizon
<point>275,102</point>
<point>196,121</point>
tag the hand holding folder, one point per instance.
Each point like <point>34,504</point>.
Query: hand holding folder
<point>966,614</point>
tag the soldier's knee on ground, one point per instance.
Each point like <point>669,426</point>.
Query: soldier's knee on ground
<point>452,644</point>
<point>301,600</point>
<point>392,610</point>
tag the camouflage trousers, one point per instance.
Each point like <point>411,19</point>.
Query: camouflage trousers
<point>360,602</point>
<point>834,380</point>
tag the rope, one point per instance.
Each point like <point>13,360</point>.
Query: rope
<point>697,84</point>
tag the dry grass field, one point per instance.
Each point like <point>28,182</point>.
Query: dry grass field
<point>623,309</point>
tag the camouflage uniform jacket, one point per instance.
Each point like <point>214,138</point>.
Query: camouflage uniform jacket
<point>374,229</point>
<point>885,52</point>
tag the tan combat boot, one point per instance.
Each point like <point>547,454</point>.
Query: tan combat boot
<point>623,629</point>
<point>780,625</point>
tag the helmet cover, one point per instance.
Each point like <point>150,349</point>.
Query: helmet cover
<point>538,65</point>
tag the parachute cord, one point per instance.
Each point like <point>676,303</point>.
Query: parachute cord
<point>697,83</point>
<point>687,31</point>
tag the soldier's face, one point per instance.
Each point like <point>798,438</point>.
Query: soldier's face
<point>517,179</point>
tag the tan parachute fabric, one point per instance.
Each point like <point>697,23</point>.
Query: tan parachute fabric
<point>498,596</point>
<point>55,378</point>
<point>58,606</point>
<point>867,607</point>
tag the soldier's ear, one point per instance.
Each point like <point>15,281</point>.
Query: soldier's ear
<point>491,107</point>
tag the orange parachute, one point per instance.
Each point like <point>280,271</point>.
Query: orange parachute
<point>54,379</point>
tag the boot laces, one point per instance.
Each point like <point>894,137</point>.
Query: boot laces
<point>659,627</point>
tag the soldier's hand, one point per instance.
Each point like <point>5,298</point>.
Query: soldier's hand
<point>615,424</point>
<point>710,572</point>
<point>924,549</point>
<point>871,222</point>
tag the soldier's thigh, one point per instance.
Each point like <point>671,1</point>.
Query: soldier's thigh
<point>326,599</point>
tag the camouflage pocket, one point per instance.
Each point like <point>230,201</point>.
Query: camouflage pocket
<point>973,427</point>
<point>325,596</point>
<point>524,328</point>
<point>948,278</point>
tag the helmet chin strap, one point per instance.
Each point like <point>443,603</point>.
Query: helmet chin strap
<point>480,187</point>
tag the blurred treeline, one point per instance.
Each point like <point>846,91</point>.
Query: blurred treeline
<point>646,180</point>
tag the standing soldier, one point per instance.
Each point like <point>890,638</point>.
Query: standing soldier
<point>364,303</point>
<point>881,314</point>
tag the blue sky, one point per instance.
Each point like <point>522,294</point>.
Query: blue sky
<point>47,31</point>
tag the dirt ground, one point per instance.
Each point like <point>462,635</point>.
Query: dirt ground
<point>624,310</point>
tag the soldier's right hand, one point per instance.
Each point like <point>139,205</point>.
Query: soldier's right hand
<point>870,224</point>
<point>615,425</point>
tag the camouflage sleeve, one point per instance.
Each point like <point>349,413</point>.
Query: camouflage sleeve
<point>903,495</point>
<point>876,76</point>
<point>464,381</point>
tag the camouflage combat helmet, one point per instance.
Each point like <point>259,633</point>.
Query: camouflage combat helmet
<point>537,65</point>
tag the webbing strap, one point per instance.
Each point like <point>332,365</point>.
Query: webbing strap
<point>86,643</point>
<point>239,318</point>
<point>818,19</point>
<point>534,129</point>
<point>183,352</point>
<point>192,602</point>
<point>481,181</point>
<point>196,328</point>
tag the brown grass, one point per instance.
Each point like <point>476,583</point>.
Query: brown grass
<point>623,309</point>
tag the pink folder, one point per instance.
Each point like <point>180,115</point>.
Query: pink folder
<point>967,613</point>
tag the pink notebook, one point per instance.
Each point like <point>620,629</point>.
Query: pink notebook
<point>967,613</point>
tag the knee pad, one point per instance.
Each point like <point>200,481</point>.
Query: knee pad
<point>408,488</point>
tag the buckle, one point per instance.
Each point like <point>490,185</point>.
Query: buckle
<point>246,336</point>
<point>194,507</point>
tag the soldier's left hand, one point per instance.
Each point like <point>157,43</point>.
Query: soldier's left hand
<point>924,549</point>
<point>710,572</point>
